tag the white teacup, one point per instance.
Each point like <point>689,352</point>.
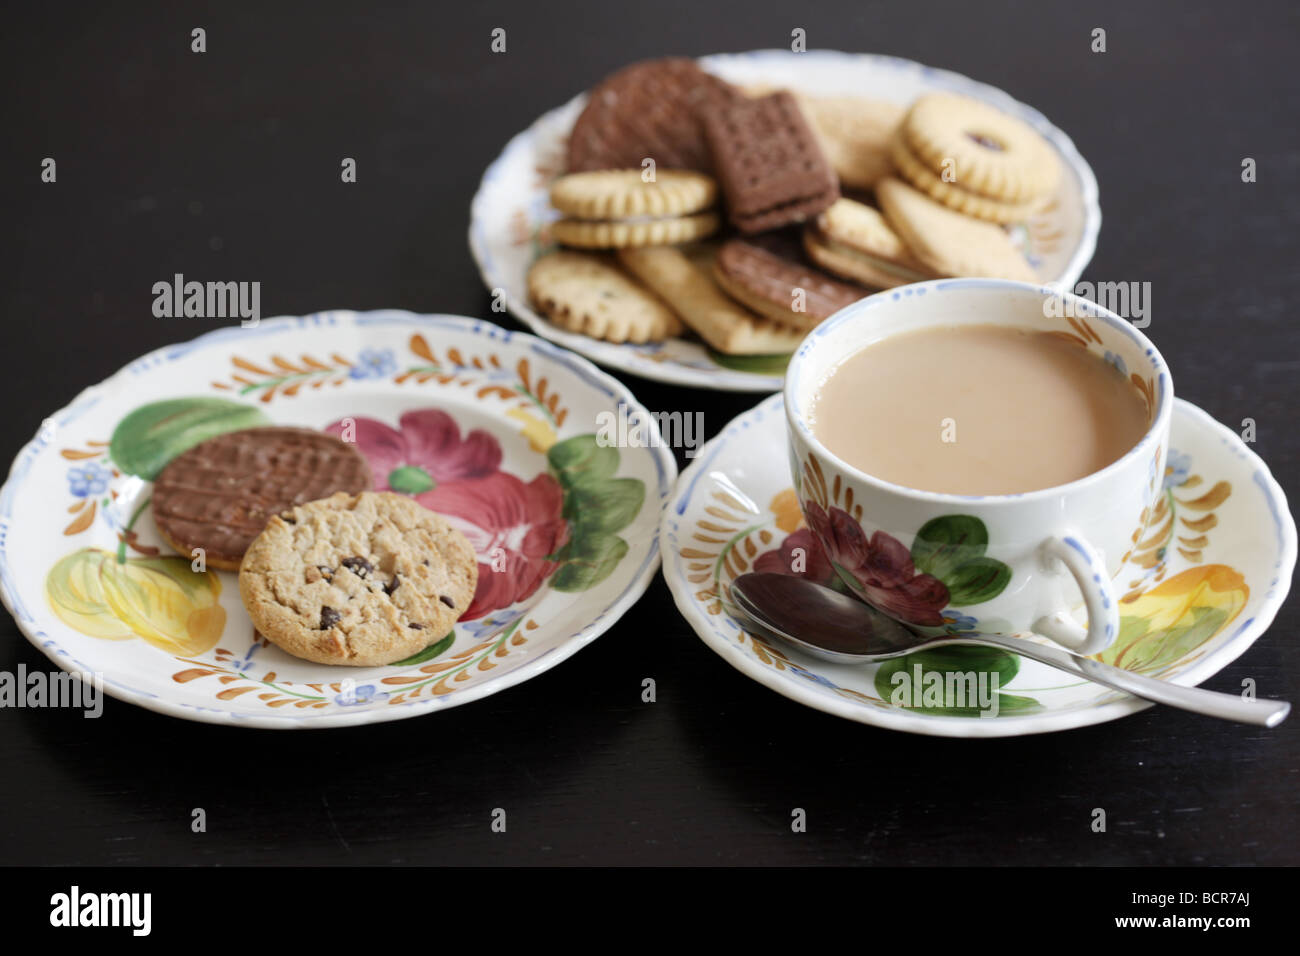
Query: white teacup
<point>998,564</point>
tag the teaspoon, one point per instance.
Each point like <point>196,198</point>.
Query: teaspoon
<point>839,628</point>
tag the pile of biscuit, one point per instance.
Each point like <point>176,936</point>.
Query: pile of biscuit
<point>748,216</point>
<point>329,570</point>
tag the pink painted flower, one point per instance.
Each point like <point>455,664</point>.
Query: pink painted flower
<point>881,567</point>
<point>513,526</point>
<point>799,550</point>
<point>425,450</point>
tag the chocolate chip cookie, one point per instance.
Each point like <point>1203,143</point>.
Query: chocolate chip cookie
<point>364,579</point>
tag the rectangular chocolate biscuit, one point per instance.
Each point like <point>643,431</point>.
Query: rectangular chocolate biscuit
<point>772,169</point>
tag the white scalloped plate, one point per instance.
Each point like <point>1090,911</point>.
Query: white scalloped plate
<point>511,209</point>
<point>1198,595</point>
<point>70,491</point>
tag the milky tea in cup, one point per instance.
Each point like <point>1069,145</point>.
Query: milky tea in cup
<point>977,410</point>
<point>980,456</point>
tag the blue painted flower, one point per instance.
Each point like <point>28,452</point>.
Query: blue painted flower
<point>814,677</point>
<point>954,620</point>
<point>374,363</point>
<point>365,694</point>
<point>1117,362</point>
<point>247,662</point>
<point>88,479</point>
<point>1178,466</point>
<point>492,625</point>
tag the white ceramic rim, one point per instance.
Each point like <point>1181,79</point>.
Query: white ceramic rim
<point>1155,432</point>
<point>606,618</point>
<point>732,380</point>
<point>967,727</point>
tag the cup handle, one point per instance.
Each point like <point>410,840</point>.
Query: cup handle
<point>1089,569</point>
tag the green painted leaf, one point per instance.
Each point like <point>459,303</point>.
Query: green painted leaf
<point>604,507</point>
<point>976,581</point>
<point>837,584</point>
<point>580,460</point>
<point>1132,631</point>
<point>596,505</point>
<point>963,660</point>
<point>845,577</point>
<point>429,653</point>
<point>410,480</point>
<point>774,364</point>
<point>1130,628</point>
<point>562,554</point>
<point>1153,650</point>
<point>959,657</point>
<point>152,435</point>
<point>589,561</point>
<point>1010,705</point>
<point>944,543</point>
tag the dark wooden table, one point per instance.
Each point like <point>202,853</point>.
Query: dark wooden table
<point>226,165</point>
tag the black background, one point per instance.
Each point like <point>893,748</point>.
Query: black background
<point>226,165</point>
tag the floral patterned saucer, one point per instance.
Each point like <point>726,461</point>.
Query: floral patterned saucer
<point>492,428</point>
<point>1201,586</point>
<point>510,214</point>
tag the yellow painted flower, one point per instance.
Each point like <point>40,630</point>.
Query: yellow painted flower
<point>785,505</point>
<point>541,436</point>
<point>76,596</point>
<point>162,600</point>
<point>1175,618</point>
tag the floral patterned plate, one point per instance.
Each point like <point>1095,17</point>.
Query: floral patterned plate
<point>510,215</point>
<point>1203,583</point>
<point>492,428</point>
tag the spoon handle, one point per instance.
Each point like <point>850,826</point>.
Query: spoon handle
<point>1265,713</point>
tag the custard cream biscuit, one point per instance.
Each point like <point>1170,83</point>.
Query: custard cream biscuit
<point>584,234</point>
<point>619,208</point>
<point>626,193</point>
<point>853,240</point>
